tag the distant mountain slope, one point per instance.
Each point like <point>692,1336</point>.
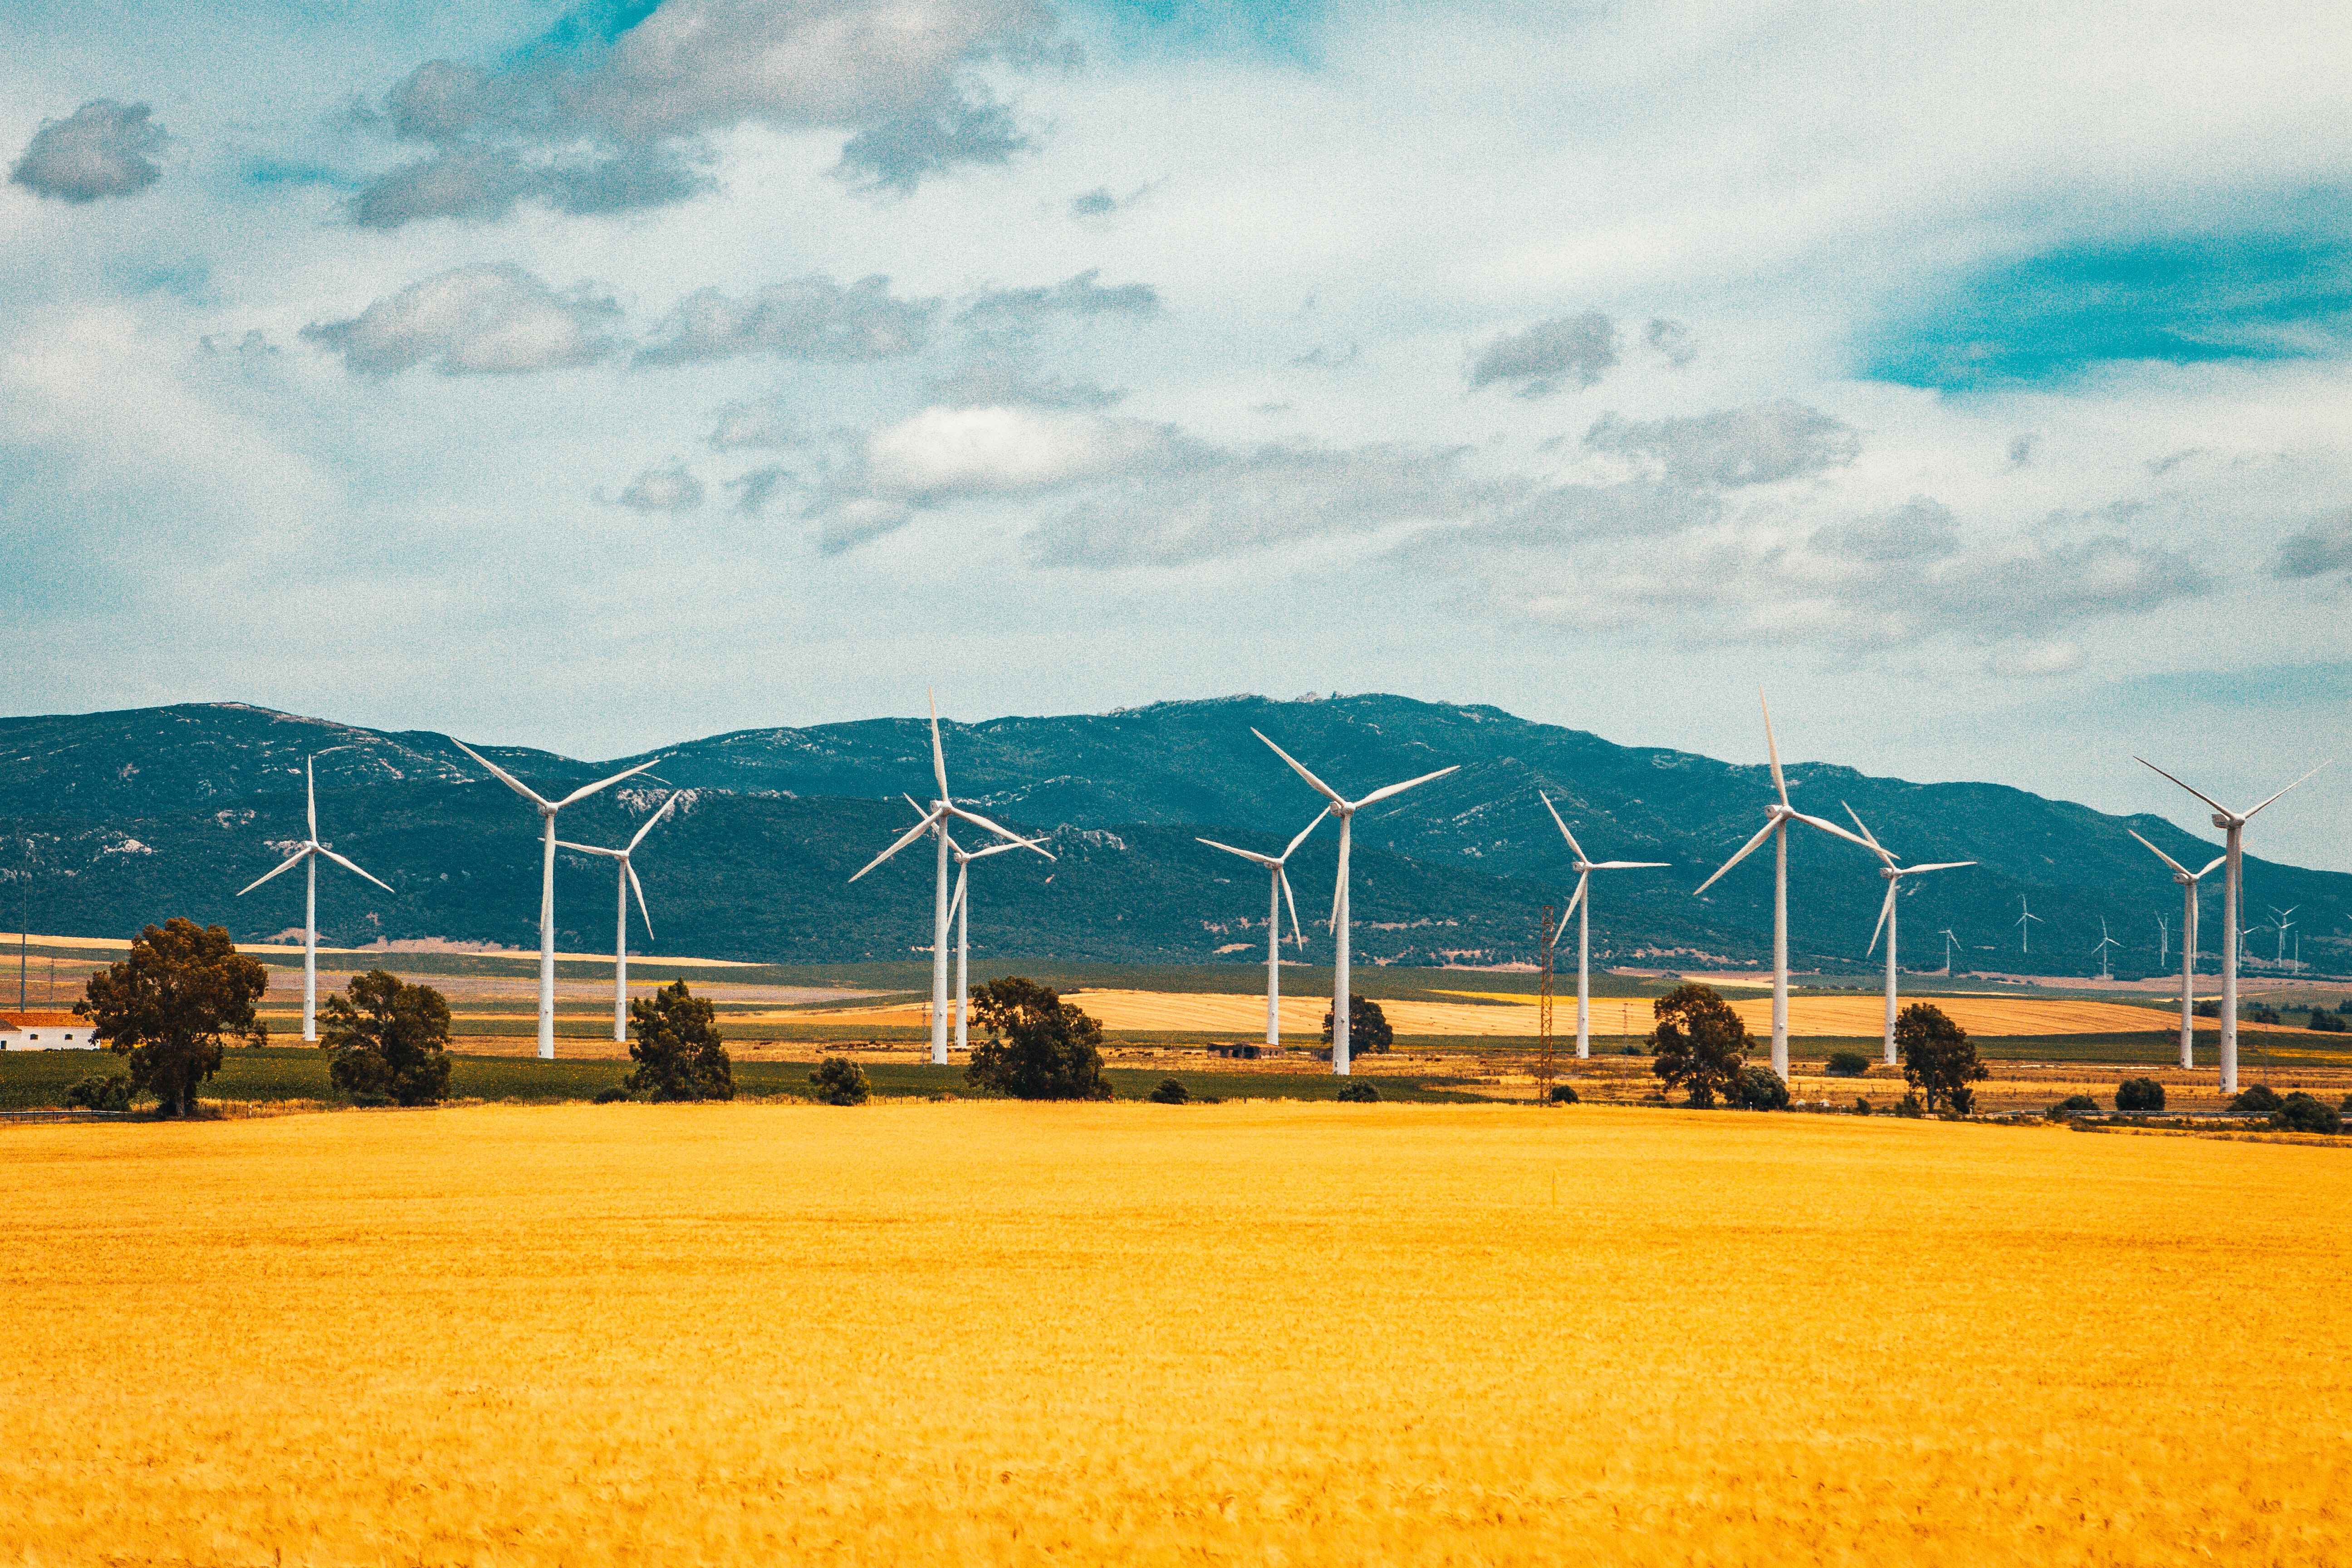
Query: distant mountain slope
<point>136,814</point>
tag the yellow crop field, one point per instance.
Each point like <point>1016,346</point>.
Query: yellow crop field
<point>989,1332</point>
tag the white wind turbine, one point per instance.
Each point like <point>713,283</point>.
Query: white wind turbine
<point>1776,818</point>
<point>2107,970</point>
<point>1886,915</point>
<point>1277,893</point>
<point>1580,906</point>
<point>2026,931</point>
<point>1950,941</point>
<point>309,854</point>
<point>2234,823</point>
<point>960,910</point>
<point>2163,937</point>
<point>547,809</point>
<point>1346,810</point>
<point>935,821</point>
<point>627,879</point>
<point>2278,918</point>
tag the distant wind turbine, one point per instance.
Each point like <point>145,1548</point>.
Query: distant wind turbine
<point>2188,880</point>
<point>1950,941</point>
<point>960,910</point>
<point>547,810</point>
<point>1346,810</point>
<point>1886,915</point>
<point>308,855</point>
<point>1278,894</point>
<point>2163,938</point>
<point>2232,823</point>
<point>627,879</point>
<point>2107,970</point>
<point>2026,931</point>
<point>1580,906</point>
<point>1776,818</point>
<point>935,821</point>
<point>2278,917</point>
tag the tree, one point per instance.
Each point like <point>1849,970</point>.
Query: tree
<point>1938,1059</point>
<point>1358,1091</point>
<point>390,1039</point>
<point>112,1092</point>
<point>1699,1042</point>
<point>2260,1099</point>
<point>1171,1091</point>
<point>1368,1028</point>
<point>2299,1113</point>
<point>840,1081</point>
<point>183,990</point>
<point>1756,1089</point>
<point>677,1047</point>
<point>2139,1094</point>
<point>1038,1046</point>
<point>1847,1064</point>
<point>2324,1022</point>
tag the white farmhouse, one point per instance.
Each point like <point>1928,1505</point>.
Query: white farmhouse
<point>44,1031</point>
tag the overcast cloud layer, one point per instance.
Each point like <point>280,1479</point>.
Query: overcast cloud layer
<point>1976,381</point>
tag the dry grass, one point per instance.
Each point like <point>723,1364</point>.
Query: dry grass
<point>1001,1333</point>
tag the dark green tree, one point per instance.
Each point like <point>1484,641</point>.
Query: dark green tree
<point>1368,1028</point>
<point>1038,1046</point>
<point>183,990</point>
<point>390,1039</point>
<point>1939,1061</point>
<point>1171,1091</point>
<point>2139,1094</point>
<point>1756,1089</point>
<point>112,1092</point>
<point>2260,1099</point>
<point>1699,1042</point>
<point>2299,1113</point>
<point>1847,1064</point>
<point>840,1081</point>
<point>675,1045</point>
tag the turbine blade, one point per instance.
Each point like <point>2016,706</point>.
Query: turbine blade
<point>979,820</point>
<point>956,903</point>
<point>585,791</point>
<point>1627,865</point>
<point>299,855</point>
<point>310,788</point>
<point>1321,787</point>
<point>1828,826</point>
<point>1745,850</point>
<point>1036,844</point>
<point>1866,833</point>
<point>648,827</point>
<point>592,849</point>
<point>938,756</point>
<point>1885,909</point>
<point>501,773</point>
<point>1772,746</point>
<point>1339,888</point>
<point>354,866</point>
<point>2210,865</point>
<point>1574,848</point>
<point>639,889</point>
<point>2251,814</point>
<point>1303,832</point>
<point>1574,899</point>
<point>1245,854</point>
<point>1300,935</point>
<point>1400,788</point>
<point>908,838</point>
<point>2167,859</point>
<point>2208,799</point>
<point>1939,866</point>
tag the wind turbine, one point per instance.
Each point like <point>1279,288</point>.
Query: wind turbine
<point>309,854</point>
<point>2026,931</point>
<point>1777,818</point>
<point>1580,907</point>
<point>1949,939</point>
<point>2163,937</point>
<point>1886,919</point>
<point>2107,970</point>
<point>1346,810</point>
<point>2278,917</point>
<point>547,810</point>
<point>959,909</point>
<point>2188,880</point>
<point>627,879</point>
<point>1277,893</point>
<point>2232,823</point>
<point>935,821</point>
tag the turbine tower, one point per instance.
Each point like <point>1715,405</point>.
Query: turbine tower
<point>1278,894</point>
<point>309,854</point>
<point>960,910</point>
<point>1950,941</point>
<point>2278,918</point>
<point>1776,818</point>
<point>2025,930</point>
<point>2163,937</point>
<point>2107,970</point>
<point>935,821</point>
<point>2232,823</point>
<point>1580,907</point>
<point>2188,880</point>
<point>1887,919</point>
<point>547,810</point>
<point>1346,810</point>
<point>627,879</point>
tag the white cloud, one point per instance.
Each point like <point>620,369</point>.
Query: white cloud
<point>766,421</point>
<point>1752,446</point>
<point>662,489</point>
<point>1574,350</point>
<point>102,149</point>
<point>2322,546</point>
<point>472,321</point>
<point>1005,451</point>
<point>2036,660</point>
<point>808,319</point>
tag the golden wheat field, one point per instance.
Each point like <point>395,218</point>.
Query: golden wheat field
<point>989,1332</point>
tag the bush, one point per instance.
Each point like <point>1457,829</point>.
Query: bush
<point>2347,1103</point>
<point>1909,1106</point>
<point>1368,1028</point>
<point>2139,1094</point>
<point>1756,1089</point>
<point>1170,1093</point>
<point>675,1043</point>
<point>2326,1023</point>
<point>2208,1009</point>
<point>1631,1048</point>
<point>2259,1101</point>
<point>840,1081</point>
<point>1861,1105</point>
<point>1847,1064</point>
<point>1038,1046</point>
<point>2073,1105</point>
<point>1359,1092</point>
<point>611,1094</point>
<point>111,1092</point>
<point>1562,1094</point>
<point>2301,1114</point>
<point>2345,1006</point>
<point>367,1102</point>
<point>2262,1015</point>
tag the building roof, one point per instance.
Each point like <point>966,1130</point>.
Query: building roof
<point>40,1018</point>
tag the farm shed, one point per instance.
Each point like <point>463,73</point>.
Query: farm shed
<point>45,1031</point>
<point>1243,1049</point>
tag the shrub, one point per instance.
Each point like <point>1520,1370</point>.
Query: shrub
<point>1358,1091</point>
<point>2259,1101</point>
<point>370,1101</point>
<point>677,1047</point>
<point>2347,1103</point>
<point>1758,1088</point>
<point>2139,1094</point>
<point>1847,1064</point>
<point>840,1081</point>
<point>2262,1015</point>
<point>1368,1028</point>
<point>2301,1114</point>
<point>1861,1105</point>
<point>611,1094</point>
<point>1170,1093</point>
<point>1562,1094</point>
<point>2345,1006</point>
<point>1038,1046</point>
<point>1909,1106</point>
<point>1631,1049</point>
<point>111,1092</point>
<point>2327,1023</point>
<point>2073,1105</point>
<point>2208,1009</point>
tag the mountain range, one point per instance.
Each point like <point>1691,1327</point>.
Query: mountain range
<point>124,817</point>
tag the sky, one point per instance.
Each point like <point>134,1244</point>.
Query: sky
<point>1973,380</point>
